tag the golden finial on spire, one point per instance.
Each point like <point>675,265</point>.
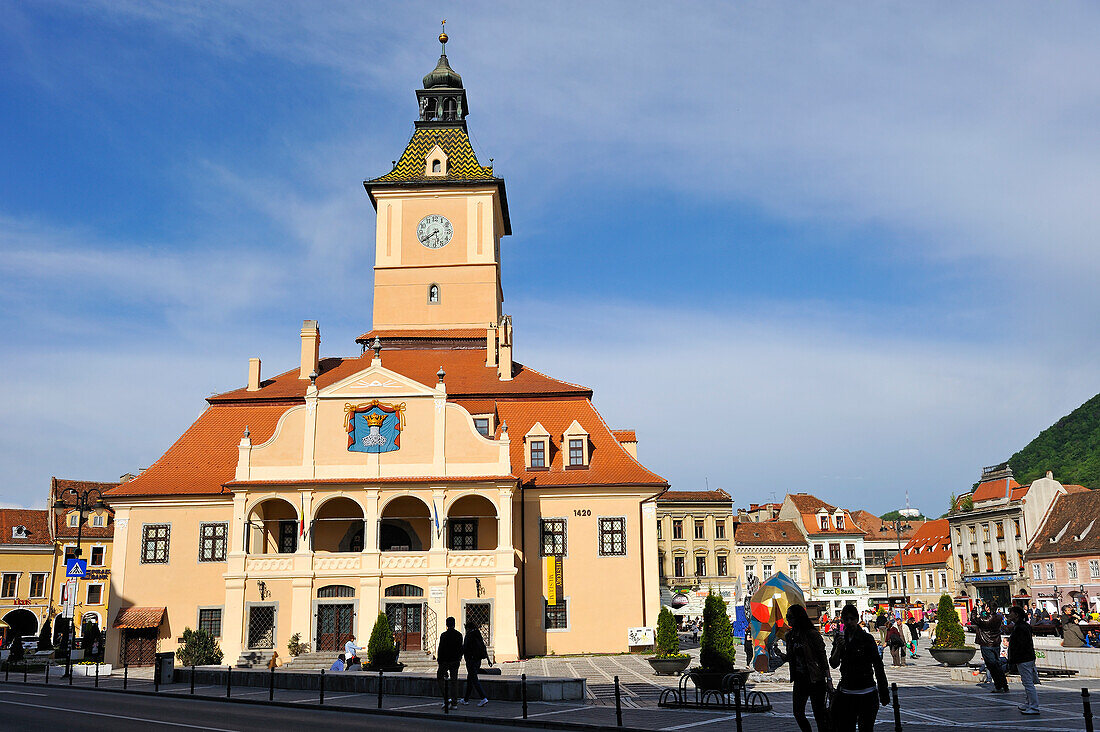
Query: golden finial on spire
<point>443,35</point>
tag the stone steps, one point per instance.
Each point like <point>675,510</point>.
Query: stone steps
<point>317,660</point>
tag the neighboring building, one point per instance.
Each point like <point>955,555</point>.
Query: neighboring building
<point>990,529</point>
<point>695,538</point>
<point>763,548</point>
<point>760,512</point>
<point>880,544</point>
<point>96,544</point>
<point>836,552</point>
<point>1063,560</point>
<point>26,570</point>
<point>926,563</point>
<point>431,476</point>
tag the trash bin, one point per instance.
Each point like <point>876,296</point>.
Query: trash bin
<point>165,667</point>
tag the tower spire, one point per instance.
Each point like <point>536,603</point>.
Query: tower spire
<point>443,37</point>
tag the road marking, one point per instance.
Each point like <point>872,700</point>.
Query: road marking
<point>426,704</point>
<point>118,716</point>
<point>705,721</point>
<point>556,711</point>
<point>24,693</point>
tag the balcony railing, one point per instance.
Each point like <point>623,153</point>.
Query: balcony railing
<point>838,562</point>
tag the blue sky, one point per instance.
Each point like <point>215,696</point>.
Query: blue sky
<point>856,245</point>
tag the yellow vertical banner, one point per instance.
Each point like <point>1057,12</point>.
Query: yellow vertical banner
<point>551,580</point>
<point>559,583</point>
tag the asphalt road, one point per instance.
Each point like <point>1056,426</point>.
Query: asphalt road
<point>36,709</point>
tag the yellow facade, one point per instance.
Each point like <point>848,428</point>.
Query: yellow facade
<point>26,568</point>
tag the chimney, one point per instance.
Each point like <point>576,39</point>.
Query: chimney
<point>491,346</point>
<point>504,337</point>
<point>311,349</point>
<point>253,374</point>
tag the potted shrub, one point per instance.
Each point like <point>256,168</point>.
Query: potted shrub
<point>295,647</point>
<point>950,647</point>
<point>199,649</point>
<point>381,652</point>
<point>716,649</point>
<point>668,660</point>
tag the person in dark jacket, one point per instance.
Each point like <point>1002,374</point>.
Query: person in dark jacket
<point>448,655</point>
<point>1021,653</point>
<point>863,682</point>
<point>473,650</point>
<point>1072,637</point>
<point>987,634</point>
<point>809,669</point>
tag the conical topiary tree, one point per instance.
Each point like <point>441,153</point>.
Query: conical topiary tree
<point>380,650</point>
<point>716,650</point>
<point>668,641</point>
<point>949,633</point>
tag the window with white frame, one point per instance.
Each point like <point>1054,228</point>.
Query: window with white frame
<point>38,584</point>
<point>74,519</point>
<point>824,523</point>
<point>931,583</point>
<point>894,581</point>
<point>853,579</point>
<point>9,585</point>
<point>701,566</point>
<point>792,570</point>
<point>916,580</point>
<point>1036,571</point>
<point>576,452</point>
<point>94,595</point>
<point>481,424</point>
<point>97,557</point>
<point>766,569</point>
<point>210,620</point>
<point>99,520</point>
<point>154,544</point>
<point>1050,570</point>
<point>613,536</point>
<point>840,522</point>
<point>837,580</point>
<point>750,570</point>
<point>557,616</point>
<point>943,580</point>
<point>213,539</point>
<point>538,453</point>
<point>820,579</point>
<point>1094,569</point>
<point>553,537</point>
<point>1072,567</point>
<point>723,567</point>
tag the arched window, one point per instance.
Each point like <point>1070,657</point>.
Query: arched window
<point>336,591</point>
<point>437,167</point>
<point>433,294</point>
<point>404,591</point>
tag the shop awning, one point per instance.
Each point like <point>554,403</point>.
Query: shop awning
<point>139,617</point>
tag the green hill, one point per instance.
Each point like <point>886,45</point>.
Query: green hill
<point>1070,448</point>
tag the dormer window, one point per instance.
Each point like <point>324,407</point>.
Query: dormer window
<point>538,454</point>
<point>482,425</point>
<point>74,519</point>
<point>824,523</point>
<point>99,520</point>
<point>840,521</point>
<point>435,163</point>
<point>437,167</point>
<point>433,294</point>
<point>537,448</point>
<point>575,441</point>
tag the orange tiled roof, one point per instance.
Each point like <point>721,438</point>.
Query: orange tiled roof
<point>993,489</point>
<point>426,333</point>
<point>467,376</point>
<point>610,463</point>
<point>625,435</point>
<point>718,496</point>
<point>36,521</point>
<point>205,456</point>
<point>140,617</point>
<point>808,506</point>
<point>1073,514</point>
<point>372,481</point>
<point>930,545</point>
<point>873,526</point>
<point>58,488</point>
<point>769,532</point>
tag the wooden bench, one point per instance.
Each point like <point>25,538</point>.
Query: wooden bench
<point>1047,671</point>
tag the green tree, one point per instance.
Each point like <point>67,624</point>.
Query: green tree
<point>895,515</point>
<point>716,649</point>
<point>199,649</point>
<point>380,648</point>
<point>295,647</point>
<point>949,633</point>
<point>668,641</point>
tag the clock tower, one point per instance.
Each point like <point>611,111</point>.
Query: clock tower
<point>440,217</point>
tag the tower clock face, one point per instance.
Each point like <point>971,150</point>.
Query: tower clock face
<point>434,231</point>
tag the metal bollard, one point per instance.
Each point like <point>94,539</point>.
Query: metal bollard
<point>379,688</point>
<point>156,676</point>
<point>97,675</point>
<point>24,672</point>
<point>69,670</point>
<point>125,674</point>
<point>5,672</point>
<point>523,693</point>
<point>192,679</point>
<point>228,677</point>
<point>737,706</point>
<point>1088,709</point>
<point>47,672</point>
<point>897,707</point>
<point>618,705</point>
<point>321,686</point>
<point>271,685</point>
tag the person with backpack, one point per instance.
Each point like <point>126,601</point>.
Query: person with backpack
<point>988,638</point>
<point>809,670</point>
<point>896,643</point>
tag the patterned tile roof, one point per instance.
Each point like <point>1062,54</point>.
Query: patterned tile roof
<point>769,532</point>
<point>717,496</point>
<point>931,544</point>
<point>140,617</point>
<point>36,521</point>
<point>1073,526</point>
<point>462,163</point>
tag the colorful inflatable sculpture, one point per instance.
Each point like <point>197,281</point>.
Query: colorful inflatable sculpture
<point>768,619</point>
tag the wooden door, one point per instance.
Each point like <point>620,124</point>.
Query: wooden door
<point>407,621</point>
<point>139,646</point>
<point>334,626</point>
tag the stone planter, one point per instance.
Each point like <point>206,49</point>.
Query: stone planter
<point>88,669</point>
<point>669,666</point>
<point>953,656</point>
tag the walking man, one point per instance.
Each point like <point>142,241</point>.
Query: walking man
<point>473,650</point>
<point>449,655</point>
<point>988,638</point>
<point>1021,651</point>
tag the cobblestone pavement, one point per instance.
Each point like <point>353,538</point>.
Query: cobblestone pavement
<point>929,699</point>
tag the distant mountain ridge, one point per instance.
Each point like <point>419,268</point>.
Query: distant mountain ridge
<point>1070,448</point>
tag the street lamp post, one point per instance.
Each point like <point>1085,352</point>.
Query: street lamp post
<point>900,526</point>
<point>84,505</point>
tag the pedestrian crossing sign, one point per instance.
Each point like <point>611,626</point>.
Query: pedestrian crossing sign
<point>76,568</point>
